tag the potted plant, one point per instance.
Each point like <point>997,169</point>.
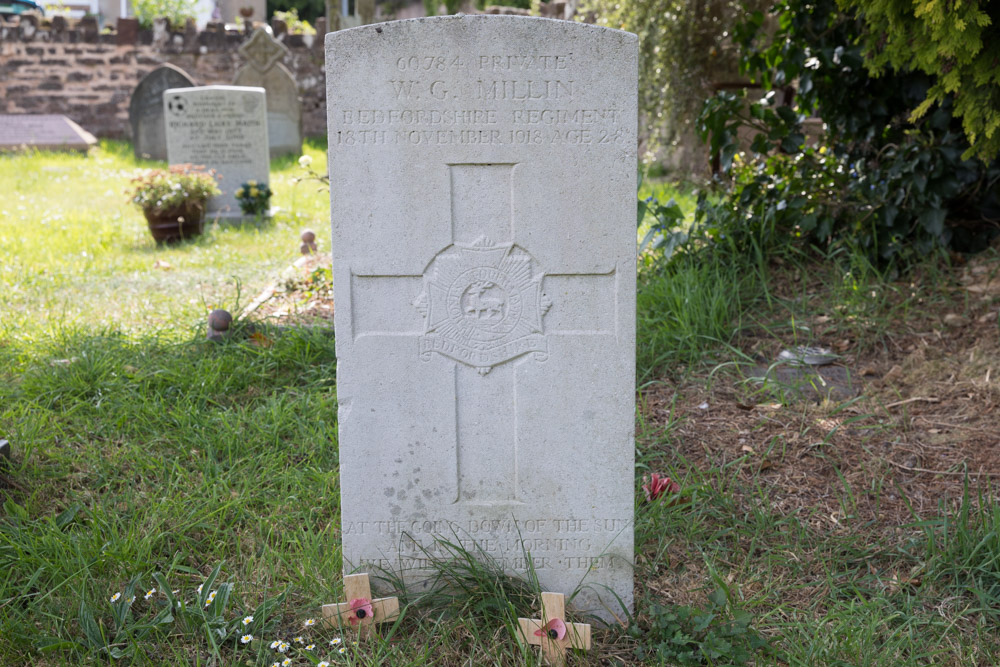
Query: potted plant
<point>173,200</point>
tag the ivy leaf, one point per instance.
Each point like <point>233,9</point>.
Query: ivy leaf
<point>933,220</point>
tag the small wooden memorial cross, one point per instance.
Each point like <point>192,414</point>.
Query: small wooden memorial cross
<point>360,611</point>
<point>546,632</point>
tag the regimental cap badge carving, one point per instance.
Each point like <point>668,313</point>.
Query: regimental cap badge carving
<point>483,305</point>
<point>262,51</point>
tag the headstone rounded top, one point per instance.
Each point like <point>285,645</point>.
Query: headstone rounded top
<point>492,20</point>
<point>220,320</point>
<point>145,110</point>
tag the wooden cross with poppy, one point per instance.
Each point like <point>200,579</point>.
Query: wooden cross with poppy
<point>360,612</point>
<point>552,632</point>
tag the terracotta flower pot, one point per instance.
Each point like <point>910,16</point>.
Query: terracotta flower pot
<point>176,224</point>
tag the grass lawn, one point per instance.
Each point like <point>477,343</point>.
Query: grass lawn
<point>812,528</point>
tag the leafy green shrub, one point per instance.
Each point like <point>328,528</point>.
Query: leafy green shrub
<point>684,635</point>
<point>879,184</point>
<point>176,11</point>
<point>296,26</point>
<point>665,233</point>
<point>957,45</point>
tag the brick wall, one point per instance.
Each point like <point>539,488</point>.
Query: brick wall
<point>70,69</point>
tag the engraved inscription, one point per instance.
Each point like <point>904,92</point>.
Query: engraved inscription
<point>483,305</point>
<point>564,543</point>
<point>490,99</point>
<point>214,129</point>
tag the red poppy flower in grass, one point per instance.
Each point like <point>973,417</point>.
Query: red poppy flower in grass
<point>656,486</point>
<point>361,608</point>
<point>554,629</point>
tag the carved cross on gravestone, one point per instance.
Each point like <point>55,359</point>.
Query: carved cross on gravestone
<point>262,51</point>
<point>484,306</point>
<point>284,108</point>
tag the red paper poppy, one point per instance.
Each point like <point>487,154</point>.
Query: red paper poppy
<point>361,608</point>
<point>554,629</point>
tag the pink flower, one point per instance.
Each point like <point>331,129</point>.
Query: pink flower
<point>655,486</point>
<point>361,609</point>
<point>554,629</point>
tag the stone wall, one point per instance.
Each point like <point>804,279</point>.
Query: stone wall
<point>69,68</point>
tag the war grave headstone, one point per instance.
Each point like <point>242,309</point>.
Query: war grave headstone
<point>284,107</point>
<point>223,128</point>
<point>483,221</point>
<point>43,132</point>
<point>145,110</point>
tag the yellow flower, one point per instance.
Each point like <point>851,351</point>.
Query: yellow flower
<point>252,183</point>
<point>239,193</point>
<point>254,192</point>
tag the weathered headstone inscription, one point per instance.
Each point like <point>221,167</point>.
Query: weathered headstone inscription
<point>145,110</point>
<point>484,269</point>
<point>43,132</point>
<point>284,108</point>
<point>223,128</point>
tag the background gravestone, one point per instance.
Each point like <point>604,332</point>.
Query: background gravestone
<point>145,110</point>
<point>43,132</point>
<point>484,271</point>
<point>284,108</point>
<point>223,128</point>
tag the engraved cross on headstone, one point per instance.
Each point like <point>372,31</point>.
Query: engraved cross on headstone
<point>484,307</point>
<point>262,50</point>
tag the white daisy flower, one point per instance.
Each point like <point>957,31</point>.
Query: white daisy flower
<point>299,640</point>
<point>310,647</point>
<point>115,597</point>
<point>275,644</point>
<point>283,647</point>
<point>150,593</point>
<point>309,622</point>
<point>342,650</point>
<point>246,639</point>
<point>286,662</point>
<point>247,620</point>
<point>322,663</point>
<point>335,641</point>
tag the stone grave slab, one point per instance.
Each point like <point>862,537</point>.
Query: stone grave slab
<point>223,128</point>
<point>145,110</point>
<point>484,252</point>
<point>284,107</point>
<point>43,132</point>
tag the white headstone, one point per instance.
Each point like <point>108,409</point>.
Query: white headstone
<point>223,128</point>
<point>484,268</point>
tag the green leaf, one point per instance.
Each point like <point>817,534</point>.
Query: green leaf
<point>206,588</point>
<point>66,516</point>
<point>933,220</point>
<point>91,630</point>
<point>53,644</point>
<point>718,597</point>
